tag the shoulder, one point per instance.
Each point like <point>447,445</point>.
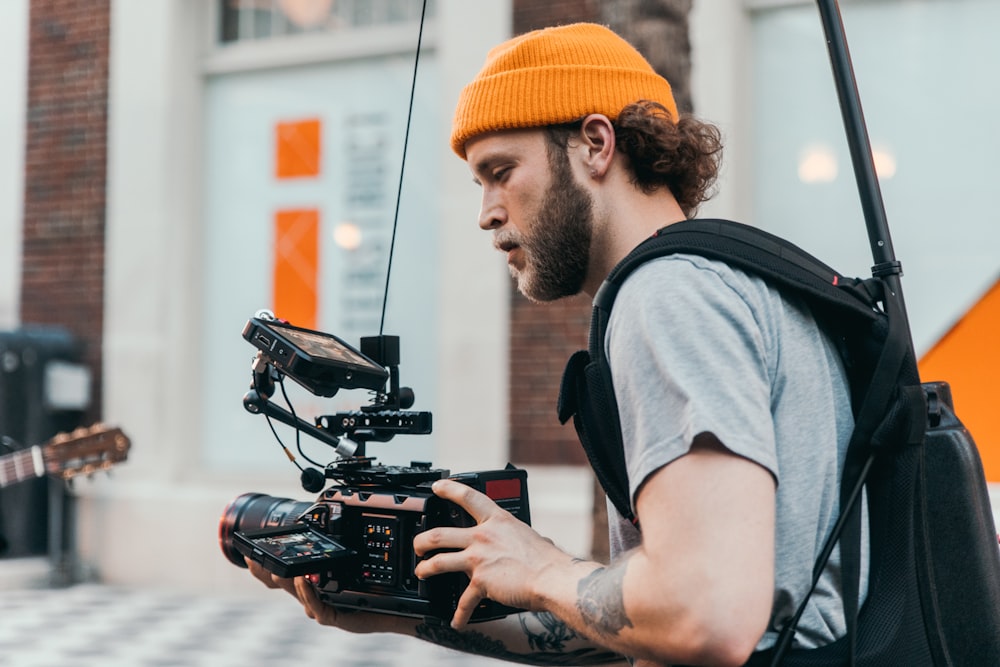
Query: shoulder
<point>680,273</point>
<point>685,289</point>
<point>678,292</point>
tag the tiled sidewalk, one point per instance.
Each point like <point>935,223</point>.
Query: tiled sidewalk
<point>97,626</point>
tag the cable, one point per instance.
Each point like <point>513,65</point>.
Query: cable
<point>256,387</point>
<point>402,168</point>
<point>291,457</point>
<point>298,433</point>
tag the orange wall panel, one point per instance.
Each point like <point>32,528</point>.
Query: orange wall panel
<point>296,266</point>
<point>297,148</point>
<point>968,358</point>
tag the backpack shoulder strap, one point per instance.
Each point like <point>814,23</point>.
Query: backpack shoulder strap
<point>751,249</point>
<point>587,392</point>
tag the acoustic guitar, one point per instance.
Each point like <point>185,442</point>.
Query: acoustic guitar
<point>82,451</point>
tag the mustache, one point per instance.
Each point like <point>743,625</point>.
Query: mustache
<point>506,240</point>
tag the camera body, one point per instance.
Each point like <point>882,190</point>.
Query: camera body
<point>355,541</point>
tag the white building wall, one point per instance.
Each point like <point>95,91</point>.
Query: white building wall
<point>13,83</point>
<point>162,504</point>
<point>720,40</point>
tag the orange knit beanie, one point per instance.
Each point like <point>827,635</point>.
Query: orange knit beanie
<point>553,76</point>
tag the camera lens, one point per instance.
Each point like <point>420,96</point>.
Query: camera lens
<point>254,511</point>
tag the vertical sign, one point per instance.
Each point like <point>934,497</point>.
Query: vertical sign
<point>368,206</point>
<point>296,231</point>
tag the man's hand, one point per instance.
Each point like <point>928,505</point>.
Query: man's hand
<point>324,614</point>
<point>502,556</point>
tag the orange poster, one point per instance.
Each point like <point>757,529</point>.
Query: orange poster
<point>297,149</point>
<point>296,266</point>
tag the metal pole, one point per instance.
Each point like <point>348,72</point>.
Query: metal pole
<point>886,266</point>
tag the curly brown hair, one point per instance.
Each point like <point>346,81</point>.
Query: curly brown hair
<point>684,156</point>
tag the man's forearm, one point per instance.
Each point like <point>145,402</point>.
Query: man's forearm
<point>600,600</point>
<point>528,637</point>
<point>534,638</point>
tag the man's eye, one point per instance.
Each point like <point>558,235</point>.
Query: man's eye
<point>500,174</point>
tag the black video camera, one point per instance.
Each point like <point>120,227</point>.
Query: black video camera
<point>355,542</point>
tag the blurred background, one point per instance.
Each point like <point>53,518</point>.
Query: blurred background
<point>172,166</point>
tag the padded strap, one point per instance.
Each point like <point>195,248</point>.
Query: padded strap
<point>585,381</point>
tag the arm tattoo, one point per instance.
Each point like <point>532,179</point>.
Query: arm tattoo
<point>469,641</point>
<point>554,633</point>
<point>548,647</point>
<point>601,602</point>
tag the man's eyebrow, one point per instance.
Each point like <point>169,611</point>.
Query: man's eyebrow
<point>481,166</point>
<point>477,169</point>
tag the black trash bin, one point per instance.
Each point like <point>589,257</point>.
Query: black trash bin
<point>44,390</point>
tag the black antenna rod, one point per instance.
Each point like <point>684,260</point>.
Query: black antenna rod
<point>402,168</point>
<point>857,135</point>
<point>886,266</point>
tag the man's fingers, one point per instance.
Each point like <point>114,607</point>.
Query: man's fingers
<point>441,563</point>
<point>268,579</point>
<point>466,605</point>
<point>260,573</point>
<point>315,608</point>
<point>441,538</point>
<point>475,503</point>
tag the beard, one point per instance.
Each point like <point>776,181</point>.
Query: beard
<point>557,248</point>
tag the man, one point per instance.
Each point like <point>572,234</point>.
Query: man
<point>734,407</point>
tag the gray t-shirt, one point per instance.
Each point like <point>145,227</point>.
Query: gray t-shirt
<point>696,346</point>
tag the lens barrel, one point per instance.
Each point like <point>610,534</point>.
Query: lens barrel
<point>255,511</point>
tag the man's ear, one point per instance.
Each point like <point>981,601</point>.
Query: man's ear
<point>597,137</point>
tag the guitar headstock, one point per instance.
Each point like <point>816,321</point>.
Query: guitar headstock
<point>85,450</point>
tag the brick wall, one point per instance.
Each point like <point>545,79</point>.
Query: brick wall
<point>544,336</point>
<point>534,14</point>
<point>65,167</point>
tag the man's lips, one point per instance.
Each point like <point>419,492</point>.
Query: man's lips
<point>508,248</point>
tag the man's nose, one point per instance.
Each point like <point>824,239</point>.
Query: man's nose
<point>492,214</point>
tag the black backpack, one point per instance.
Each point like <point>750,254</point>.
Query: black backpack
<point>934,579</point>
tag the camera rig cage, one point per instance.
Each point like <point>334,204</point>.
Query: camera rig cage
<point>354,542</point>
<point>323,364</point>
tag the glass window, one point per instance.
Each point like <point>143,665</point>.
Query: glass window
<point>301,173</point>
<point>922,69</point>
<point>266,19</point>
